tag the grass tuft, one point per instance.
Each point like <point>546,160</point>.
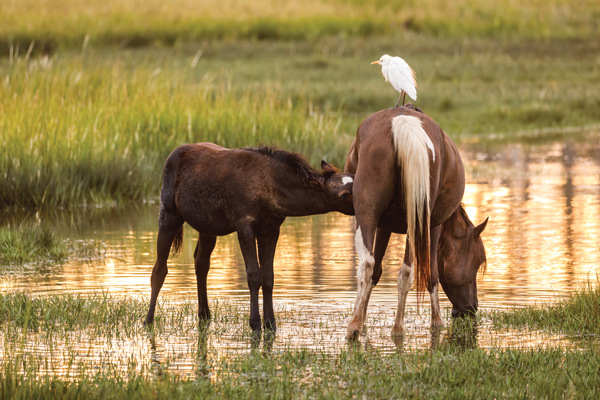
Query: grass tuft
<point>29,243</point>
<point>579,314</point>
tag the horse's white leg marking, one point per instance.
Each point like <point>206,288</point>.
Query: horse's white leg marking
<point>366,261</point>
<point>436,313</point>
<point>405,279</point>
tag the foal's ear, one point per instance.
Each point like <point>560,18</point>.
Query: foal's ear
<point>479,228</point>
<point>325,164</point>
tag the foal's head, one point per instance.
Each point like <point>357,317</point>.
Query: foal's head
<point>337,188</point>
<point>461,254</point>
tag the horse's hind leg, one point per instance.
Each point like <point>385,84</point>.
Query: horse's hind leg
<point>382,239</point>
<point>266,254</point>
<point>436,317</point>
<point>371,197</point>
<point>204,248</point>
<point>170,224</point>
<point>405,279</point>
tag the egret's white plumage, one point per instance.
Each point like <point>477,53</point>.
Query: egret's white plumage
<point>400,75</point>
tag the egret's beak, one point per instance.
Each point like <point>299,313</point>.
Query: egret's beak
<point>376,62</point>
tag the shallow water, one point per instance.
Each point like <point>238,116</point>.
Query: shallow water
<point>542,242</point>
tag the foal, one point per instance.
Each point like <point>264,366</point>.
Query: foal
<point>250,191</point>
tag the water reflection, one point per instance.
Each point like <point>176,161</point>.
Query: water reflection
<point>542,241</point>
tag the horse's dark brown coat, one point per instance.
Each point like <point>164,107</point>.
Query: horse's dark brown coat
<point>250,191</point>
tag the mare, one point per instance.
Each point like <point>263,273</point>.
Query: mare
<point>410,180</point>
<point>250,191</point>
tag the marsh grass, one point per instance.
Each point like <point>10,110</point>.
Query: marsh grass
<point>43,356</point>
<point>96,126</point>
<point>579,314</point>
<point>30,242</point>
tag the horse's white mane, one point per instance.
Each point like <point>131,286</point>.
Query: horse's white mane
<point>411,144</point>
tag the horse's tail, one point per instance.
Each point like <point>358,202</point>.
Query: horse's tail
<point>167,196</point>
<point>411,144</point>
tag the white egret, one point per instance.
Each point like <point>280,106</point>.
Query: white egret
<point>400,75</point>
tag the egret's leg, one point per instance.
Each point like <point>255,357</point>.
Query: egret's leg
<point>403,98</point>
<point>399,97</point>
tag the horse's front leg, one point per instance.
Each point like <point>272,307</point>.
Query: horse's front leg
<point>247,239</point>
<point>266,254</point>
<point>204,248</point>
<point>436,314</point>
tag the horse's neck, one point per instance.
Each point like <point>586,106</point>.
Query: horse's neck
<point>303,200</point>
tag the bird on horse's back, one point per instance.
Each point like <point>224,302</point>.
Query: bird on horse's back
<point>409,179</point>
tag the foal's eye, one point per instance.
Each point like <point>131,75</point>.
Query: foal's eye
<point>345,196</point>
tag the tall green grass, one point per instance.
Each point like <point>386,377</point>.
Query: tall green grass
<point>74,132</point>
<point>95,126</point>
<point>579,314</point>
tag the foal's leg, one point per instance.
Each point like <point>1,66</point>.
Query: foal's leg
<point>204,248</point>
<point>436,315</point>
<point>169,225</point>
<point>247,239</point>
<point>405,279</point>
<point>266,253</point>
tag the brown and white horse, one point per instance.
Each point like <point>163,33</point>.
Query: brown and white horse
<point>410,180</point>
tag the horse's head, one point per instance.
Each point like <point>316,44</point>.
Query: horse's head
<point>338,188</point>
<point>461,254</point>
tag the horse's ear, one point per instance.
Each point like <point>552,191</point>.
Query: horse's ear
<point>325,164</point>
<point>479,228</point>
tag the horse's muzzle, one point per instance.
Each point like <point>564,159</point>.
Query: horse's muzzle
<point>464,312</point>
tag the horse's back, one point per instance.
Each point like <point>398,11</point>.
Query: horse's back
<point>374,145</point>
<point>207,183</point>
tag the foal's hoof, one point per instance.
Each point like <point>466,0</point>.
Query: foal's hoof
<point>270,326</point>
<point>148,322</point>
<point>255,326</point>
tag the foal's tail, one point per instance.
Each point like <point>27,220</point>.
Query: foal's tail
<point>411,144</point>
<point>167,196</point>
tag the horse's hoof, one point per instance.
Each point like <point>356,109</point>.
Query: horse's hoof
<point>437,323</point>
<point>270,326</point>
<point>397,332</point>
<point>148,322</point>
<point>256,328</point>
<point>354,331</point>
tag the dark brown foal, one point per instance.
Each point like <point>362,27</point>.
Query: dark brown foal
<point>409,179</point>
<point>250,191</point>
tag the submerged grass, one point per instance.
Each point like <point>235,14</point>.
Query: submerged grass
<point>44,355</point>
<point>579,314</point>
